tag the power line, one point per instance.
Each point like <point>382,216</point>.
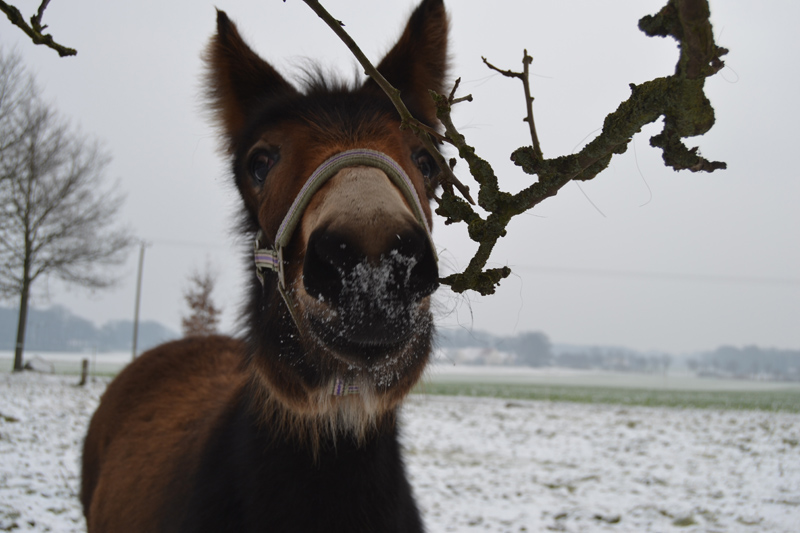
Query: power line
<point>665,276</point>
<point>191,244</point>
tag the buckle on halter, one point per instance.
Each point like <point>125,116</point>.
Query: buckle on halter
<point>268,259</point>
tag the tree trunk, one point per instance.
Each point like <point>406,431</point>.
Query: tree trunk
<point>22,322</point>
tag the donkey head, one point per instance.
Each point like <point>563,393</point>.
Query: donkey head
<point>351,247</point>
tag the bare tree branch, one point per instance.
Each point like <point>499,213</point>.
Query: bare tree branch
<point>678,98</point>
<point>35,29</point>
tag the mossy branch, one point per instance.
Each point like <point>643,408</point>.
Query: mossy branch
<point>678,98</point>
<point>35,29</point>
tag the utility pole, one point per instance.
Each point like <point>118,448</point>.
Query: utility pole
<point>138,299</point>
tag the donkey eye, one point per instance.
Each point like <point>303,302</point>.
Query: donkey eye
<point>260,164</point>
<point>426,165</point>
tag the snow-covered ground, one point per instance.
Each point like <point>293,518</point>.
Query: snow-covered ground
<point>498,465</point>
<point>43,419</point>
<point>482,464</point>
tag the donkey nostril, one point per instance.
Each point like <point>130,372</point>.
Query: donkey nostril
<point>414,249</point>
<point>328,257</point>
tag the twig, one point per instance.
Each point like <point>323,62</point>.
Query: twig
<point>423,131</point>
<point>524,76</point>
<point>34,31</point>
<point>452,100</point>
<point>36,20</point>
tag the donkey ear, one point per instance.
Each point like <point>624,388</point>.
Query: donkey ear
<point>238,82</point>
<point>418,62</point>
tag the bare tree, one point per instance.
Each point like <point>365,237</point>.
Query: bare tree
<point>203,317</point>
<point>58,215</point>
<point>15,86</point>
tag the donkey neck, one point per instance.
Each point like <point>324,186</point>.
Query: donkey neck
<point>252,466</point>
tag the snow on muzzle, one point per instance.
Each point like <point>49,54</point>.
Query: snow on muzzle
<point>376,302</point>
<point>368,260</point>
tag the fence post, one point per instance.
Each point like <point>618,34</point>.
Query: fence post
<point>84,372</point>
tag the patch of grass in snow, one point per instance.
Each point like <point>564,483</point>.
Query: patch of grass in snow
<point>773,400</point>
<point>684,521</point>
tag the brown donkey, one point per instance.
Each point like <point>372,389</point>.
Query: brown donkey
<point>294,427</point>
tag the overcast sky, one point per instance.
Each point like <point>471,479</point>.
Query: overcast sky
<point>641,256</point>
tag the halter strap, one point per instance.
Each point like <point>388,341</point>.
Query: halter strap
<point>272,258</point>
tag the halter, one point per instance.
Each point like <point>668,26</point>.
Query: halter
<point>272,258</point>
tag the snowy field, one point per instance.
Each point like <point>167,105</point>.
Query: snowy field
<point>483,464</point>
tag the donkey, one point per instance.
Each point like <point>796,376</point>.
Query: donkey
<point>292,428</point>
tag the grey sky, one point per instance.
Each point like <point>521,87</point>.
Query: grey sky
<point>676,261</point>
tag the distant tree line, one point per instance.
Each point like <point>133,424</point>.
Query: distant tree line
<point>750,362</point>
<point>528,349</point>
<point>58,330</point>
<point>617,359</point>
<point>534,349</point>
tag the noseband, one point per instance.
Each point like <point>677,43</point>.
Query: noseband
<point>271,258</point>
